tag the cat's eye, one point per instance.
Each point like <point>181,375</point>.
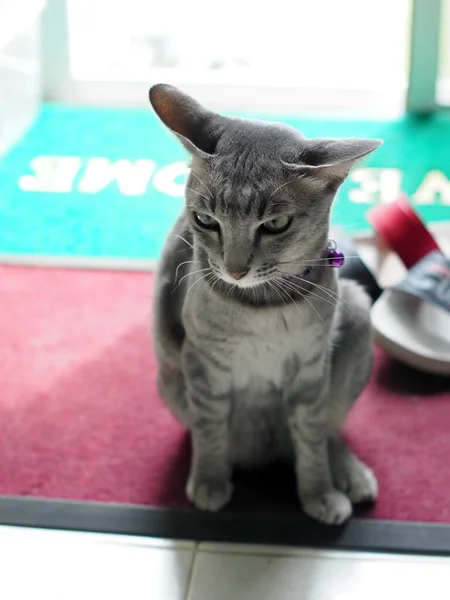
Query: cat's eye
<point>277,225</point>
<point>206,221</point>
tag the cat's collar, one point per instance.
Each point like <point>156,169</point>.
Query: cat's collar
<point>331,257</point>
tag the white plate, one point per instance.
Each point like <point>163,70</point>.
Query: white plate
<point>415,332</point>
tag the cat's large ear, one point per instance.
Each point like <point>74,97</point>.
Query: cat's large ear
<point>329,160</point>
<point>196,127</point>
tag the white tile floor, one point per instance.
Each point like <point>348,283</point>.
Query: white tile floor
<point>37,564</point>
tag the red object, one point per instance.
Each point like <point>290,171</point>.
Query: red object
<point>402,230</point>
<point>81,419</point>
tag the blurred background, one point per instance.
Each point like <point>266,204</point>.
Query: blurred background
<point>296,54</point>
<point>90,186</point>
<point>76,125</point>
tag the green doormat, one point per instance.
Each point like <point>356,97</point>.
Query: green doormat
<point>102,187</point>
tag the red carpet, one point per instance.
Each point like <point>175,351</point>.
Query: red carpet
<point>80,417</point>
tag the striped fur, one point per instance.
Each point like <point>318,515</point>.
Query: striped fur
<point>264,367</point>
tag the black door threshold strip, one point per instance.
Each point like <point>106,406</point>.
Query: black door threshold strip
<point>227,526</point>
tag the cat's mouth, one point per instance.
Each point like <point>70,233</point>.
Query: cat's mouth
<point>244,281</point>
<point>251,279</point>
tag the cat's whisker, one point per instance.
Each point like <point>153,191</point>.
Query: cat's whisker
<point>186,262</point>
<point>311,261</point>
<point>332,294</point>
<point>204,285</point>
<point>280,187</point>
<point>272,287</point>
<point>336,297</point>
<point>261,288</point>
<point>196,281</point>
<point>203,184</point>
<point>257,289</point>
<point>266,283</point>
<point>208,282</point>
<point>184,240</point>
<point>272,204</point>
<point>291,299</point>
<point>284,292</point>
<point>190,273</point>
<point>232,288</point>
<point>297,290</point>
<point>215,279</point>
<point>300,289</point>
<point>199,193</point>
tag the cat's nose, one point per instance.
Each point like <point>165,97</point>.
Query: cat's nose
<point>238,274</point>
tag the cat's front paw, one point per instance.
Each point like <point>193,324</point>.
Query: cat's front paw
<point>332,508</point>
<point>209,495</point>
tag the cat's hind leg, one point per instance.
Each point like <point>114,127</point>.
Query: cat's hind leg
<point>172,388</point>
<point>351,366</point>
<point>167,324</point>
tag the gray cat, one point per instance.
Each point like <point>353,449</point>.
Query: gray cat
<point>261,350</point>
